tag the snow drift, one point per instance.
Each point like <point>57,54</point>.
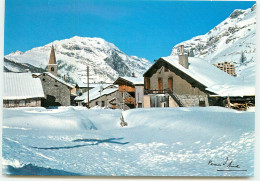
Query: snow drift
<point>156,142</point>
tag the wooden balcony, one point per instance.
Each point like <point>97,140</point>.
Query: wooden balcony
<point>125,88</point>
<point>129,100</point>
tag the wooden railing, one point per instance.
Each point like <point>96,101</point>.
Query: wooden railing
<point>166,91</point>
<point>130,100</point>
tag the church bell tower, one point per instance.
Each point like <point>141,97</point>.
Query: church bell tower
<point>52,67</point>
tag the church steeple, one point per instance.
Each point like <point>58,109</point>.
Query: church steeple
<point>52,67</point>
<point>52,59</point>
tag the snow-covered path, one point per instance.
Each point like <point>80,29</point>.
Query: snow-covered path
<point>168,141</point>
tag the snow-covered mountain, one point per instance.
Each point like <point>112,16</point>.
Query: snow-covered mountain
<point>233,40</point>
<point>106,62</point>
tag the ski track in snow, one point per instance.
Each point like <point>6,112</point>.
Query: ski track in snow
<point>139,150</point>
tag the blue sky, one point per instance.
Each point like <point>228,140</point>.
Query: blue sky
<point>147,29</point>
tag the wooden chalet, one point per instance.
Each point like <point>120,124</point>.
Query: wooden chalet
<point>132,90</point>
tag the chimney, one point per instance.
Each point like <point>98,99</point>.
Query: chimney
<point>133,74</point>
<point>181,49</point>
<point>183,58</point>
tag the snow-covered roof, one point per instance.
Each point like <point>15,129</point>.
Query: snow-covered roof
<point>213,78</point>
<point>36,74</point>
<point>95,92</point>
<point>133,80</point>
<point>21,86</point>
<point>58,79</point>
<point>84,84</point>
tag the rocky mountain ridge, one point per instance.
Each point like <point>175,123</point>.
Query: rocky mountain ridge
<point>106,62</point>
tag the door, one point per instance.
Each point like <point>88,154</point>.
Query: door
<point>160,85</point>
<point>170,85</point>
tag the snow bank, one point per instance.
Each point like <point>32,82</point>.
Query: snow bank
<point>40,118</point>
<point>206,120</point>
<point>62,118</point>
<point>156,142</point>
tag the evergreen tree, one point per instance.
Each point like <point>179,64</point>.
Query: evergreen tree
<point>243,58</point>
<point>191,53</point>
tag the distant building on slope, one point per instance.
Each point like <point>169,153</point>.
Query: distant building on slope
<point>132,91</point>
<point>21,90</point>
<point>57,92</point>
<point>179,81</point>
<point>227,67</point>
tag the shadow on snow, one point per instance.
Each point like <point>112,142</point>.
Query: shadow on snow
<point>31,169</point>
<point>91,142</point>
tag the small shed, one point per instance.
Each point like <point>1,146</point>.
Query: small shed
<point>22,90</point>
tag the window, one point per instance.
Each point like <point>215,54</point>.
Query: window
<point>22,103</point>
<point>56,85</point>
<point>52,69</point>
<point>160,85</point>
<point>11,103</point>
<point>43,80</point>
<point>170,83</point>
<point>166,69</point>
<point>96,103</point>
<point>103,104</point>
<point>202,104</point>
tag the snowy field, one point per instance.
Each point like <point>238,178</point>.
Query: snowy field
<point>209,141</point>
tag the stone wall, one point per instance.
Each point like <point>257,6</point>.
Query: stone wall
<point>194,100</point>
<point>139,95</point>
<point>56,93</point>
<point>180,85</point>
<point>105,99</point>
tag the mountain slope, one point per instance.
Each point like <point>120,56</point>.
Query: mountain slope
<point>233,40</point>
<point>105,60</point>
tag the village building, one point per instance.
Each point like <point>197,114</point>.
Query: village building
<point>180,81</point>
<point>102,95</point>
<point>227,67</point>
<point>21,90</point>
<point>132,91</point>
<point>83,87</point>
<point>57,92</point>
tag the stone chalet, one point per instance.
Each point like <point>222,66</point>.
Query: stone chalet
<point>179,81</point>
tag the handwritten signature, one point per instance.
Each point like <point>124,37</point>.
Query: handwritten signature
<point>228,163</point>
